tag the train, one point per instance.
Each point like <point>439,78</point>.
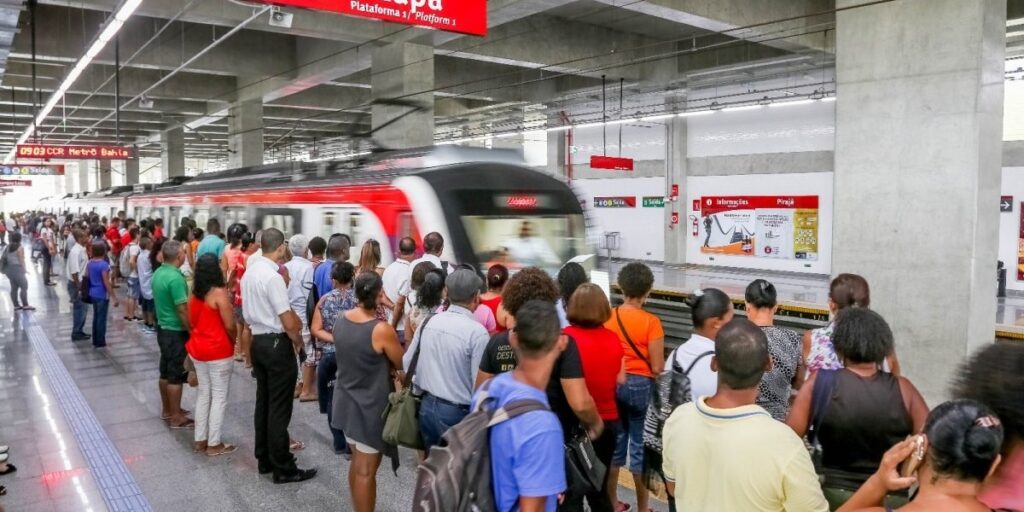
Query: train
<point>489,207</point>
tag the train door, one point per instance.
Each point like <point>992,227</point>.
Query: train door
<point>173,219</point>
<point>287,220</point>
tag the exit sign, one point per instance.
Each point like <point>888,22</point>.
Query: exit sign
<point>654,202</point>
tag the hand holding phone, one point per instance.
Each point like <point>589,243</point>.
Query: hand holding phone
<point>889,471</point>
<point>910,465</point>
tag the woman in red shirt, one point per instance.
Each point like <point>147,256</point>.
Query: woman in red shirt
<point>601,354</point>
<point>211,347</point>
<point>497,276</point>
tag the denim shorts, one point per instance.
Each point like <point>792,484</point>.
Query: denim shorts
<point>134,291</point>
<point>632,398</point>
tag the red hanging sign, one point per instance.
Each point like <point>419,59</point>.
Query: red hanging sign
<point>610,162</point>
<point>462,16</point>
<point>47,152</point>
<point>15,183</point>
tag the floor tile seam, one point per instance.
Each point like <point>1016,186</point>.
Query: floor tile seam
<point>85,427</point>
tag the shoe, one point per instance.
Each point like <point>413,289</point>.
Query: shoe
<point>80,337</point>
<point>4,448</point>
<point>4,457</point>
<point>299,476</point>
<point>265,468</point>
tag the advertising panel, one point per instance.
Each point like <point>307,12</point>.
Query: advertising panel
<point>462,16</point>
<point>777,227</point>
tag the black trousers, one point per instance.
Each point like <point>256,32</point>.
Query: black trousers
<point>47,265</point>
<point>273,364</point>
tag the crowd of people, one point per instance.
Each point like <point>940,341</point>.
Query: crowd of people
<point>745,415</point>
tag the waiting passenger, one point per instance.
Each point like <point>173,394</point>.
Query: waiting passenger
<point>170,294</point>
<point>364,381</point>
<point>151,250</point>
<point>497,276</point>
<point>129,264</point>
<point>185,236</point>
<point>317,249</point>
<point>723,452</point>
<point>787,372</point>
<point>846,290</point>
<point>433,247</point>
<point>425,297</point>
<point>341,299</point>
<point>643,342</point>
<point>527,461</point>
<point>993,377</point>
<point>570,277</point>
<point>213,243</point>
<point>369,261</point>
<point>396,277</point>
<point>300,271</point>
<point>337,251</point>
<point>959,450</point>
<point>869,411</point>
<point>77,261</point>
<point>101,292</point>
<point>211,347</point>
<point>13,266</point>
<point>450,346</point>
<point>601,355</point>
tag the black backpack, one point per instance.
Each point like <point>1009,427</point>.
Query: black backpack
<point>313,298</point>
<point>456,475</point>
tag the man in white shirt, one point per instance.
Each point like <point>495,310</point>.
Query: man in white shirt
<point>49,239</point>
<point>396,277</point>
<point>77,261</point>
<point>433,246</point>
<point>276,340</point>
<point>300,270</point>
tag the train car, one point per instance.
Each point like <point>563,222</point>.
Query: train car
<point>489,208</point>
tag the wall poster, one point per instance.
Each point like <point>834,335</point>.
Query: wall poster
<point>779,227</point>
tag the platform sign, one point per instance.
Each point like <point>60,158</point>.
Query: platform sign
<point>654,202</point>
<point>777,227</point>
<point>31,170</point>
<point>461,16</point>
<point>611,163</point>
<point>15,183</point>
<point>48,152</point>
<point>615,202</point>
<point>1006,204</point>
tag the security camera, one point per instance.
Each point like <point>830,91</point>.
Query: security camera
<point>279,18</point>
<point>145,102</point>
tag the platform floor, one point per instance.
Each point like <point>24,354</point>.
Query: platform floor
<point>808,291</point>
<point>84,429</point>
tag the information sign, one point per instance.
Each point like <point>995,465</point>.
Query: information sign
<point>48,152</point>
<point>31,170</point>
<point>15,183</point>
<point>462,16</point>
<point>615,202</point>
<point>654,202</point>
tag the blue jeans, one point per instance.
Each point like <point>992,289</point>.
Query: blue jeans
<point>77,310</point>
<point>326,371</point>
<point>436,417</point>
<point>632,397</point>
<point>99,322</point>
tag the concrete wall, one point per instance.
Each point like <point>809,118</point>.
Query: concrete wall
<point>642,230</point>
<point>796,128</point>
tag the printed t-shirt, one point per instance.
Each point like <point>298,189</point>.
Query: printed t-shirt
<point>169,291</point>
<point>601,356</point>
<point>500,358</point>
<point>527,455</point>
<point>642,327</point>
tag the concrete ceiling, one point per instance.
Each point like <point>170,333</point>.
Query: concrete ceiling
<point>541,57</point>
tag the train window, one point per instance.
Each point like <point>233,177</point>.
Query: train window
<point>287,220</point>
<point>172,221</point>
<point>353,229</point>
<point>329,224</point>
<point>139,213</point>
<point>233,215</point>
<point>201,215</point>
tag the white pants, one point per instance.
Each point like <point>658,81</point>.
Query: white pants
<point>214,379</point>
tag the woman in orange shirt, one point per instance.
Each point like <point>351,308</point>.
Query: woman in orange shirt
<point>643,342</point>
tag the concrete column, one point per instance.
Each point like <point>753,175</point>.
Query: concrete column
<point>245,134</point>
<point>675,174</point>
<point>172,153</point>
<point>103,171</point>
<point>131,171</point>
<point>399,71</point>
<point>917,172</point>
<point>557,151</point>
<point>83,176</point>
<point>69,178</point>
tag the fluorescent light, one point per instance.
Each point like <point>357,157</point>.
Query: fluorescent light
<point>696,113</point>
<point>791,103</point>
<point>830,98</point>
<point>110,30</point>
<point>558,128</point>
<point>741,108</point>
<point>657,118</point>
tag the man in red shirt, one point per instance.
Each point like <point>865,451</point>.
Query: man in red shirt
<point>114,241</point>
<point>126,237</point>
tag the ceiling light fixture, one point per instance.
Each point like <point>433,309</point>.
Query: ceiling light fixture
<point>113,25</point>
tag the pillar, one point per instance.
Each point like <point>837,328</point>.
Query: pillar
<point>917,173</point>
<point>131,171</point>
<point>103,172</point>
<point>69,178</point>
<point>245,134</point>
<point>172,153</point>
<point>557,151</point>
<point>404,71</point>
<point>83,176</point>
<point>675,174</point>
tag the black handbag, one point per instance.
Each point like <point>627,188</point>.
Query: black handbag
<point>84,285</point>
<point>584,472</point>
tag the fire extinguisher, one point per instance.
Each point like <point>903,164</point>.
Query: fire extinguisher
<point>695,225</point>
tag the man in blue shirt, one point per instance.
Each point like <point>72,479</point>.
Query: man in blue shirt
<point>212,242</point>
<point>527,454</point>
<point>337,250</point>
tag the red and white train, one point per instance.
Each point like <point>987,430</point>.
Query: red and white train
<point>487,205</point>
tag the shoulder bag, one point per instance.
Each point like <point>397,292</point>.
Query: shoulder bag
<point>584,472</point>
<point>821,397</point>
<point>401,414</point>
<point>636,350</point>
<point>84,285</point>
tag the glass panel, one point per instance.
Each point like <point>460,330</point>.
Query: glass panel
<point>547,242</point>
<point>329,224</point>
<point>201,216</point>
<point>236,215</point>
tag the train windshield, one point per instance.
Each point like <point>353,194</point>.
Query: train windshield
<point>518,241</point>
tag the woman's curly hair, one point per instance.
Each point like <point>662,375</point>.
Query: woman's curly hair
<point>528,284</point>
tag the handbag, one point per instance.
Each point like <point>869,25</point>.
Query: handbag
<point>821,397</point>
<point>401,414</point>
<point>83,286</point>
<point>585,473</point>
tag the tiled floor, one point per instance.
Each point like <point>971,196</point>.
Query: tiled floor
<point>119,388</point>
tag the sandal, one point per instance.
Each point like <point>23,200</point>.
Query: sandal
<point>308,398</point>
<point>188,425</point>
<point>10,469</point>
<point>28,308</point>
<point>622,506</point>
<point>221,449</point>
<point>183,413</point>
<point>3,491</point>
<point>296,445</point>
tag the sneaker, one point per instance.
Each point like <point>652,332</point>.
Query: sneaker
<point>147,329</point>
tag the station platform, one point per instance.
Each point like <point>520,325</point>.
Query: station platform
<point>803,298</point>
<point>85,434</point>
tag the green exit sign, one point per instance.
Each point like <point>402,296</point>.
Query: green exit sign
<point>654,202</point>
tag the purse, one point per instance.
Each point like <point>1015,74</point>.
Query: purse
<point>821,397</point>
<point>401,414</point>
<point>83,286</point>
<point>585,473</point>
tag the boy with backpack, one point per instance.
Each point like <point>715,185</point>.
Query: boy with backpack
<point>518,463</point>
<point>128,262</point>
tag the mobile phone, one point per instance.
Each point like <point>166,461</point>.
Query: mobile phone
<point>910,465</point>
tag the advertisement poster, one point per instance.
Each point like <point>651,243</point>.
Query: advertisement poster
<point>780,227</point>
<point>1020,247</point>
